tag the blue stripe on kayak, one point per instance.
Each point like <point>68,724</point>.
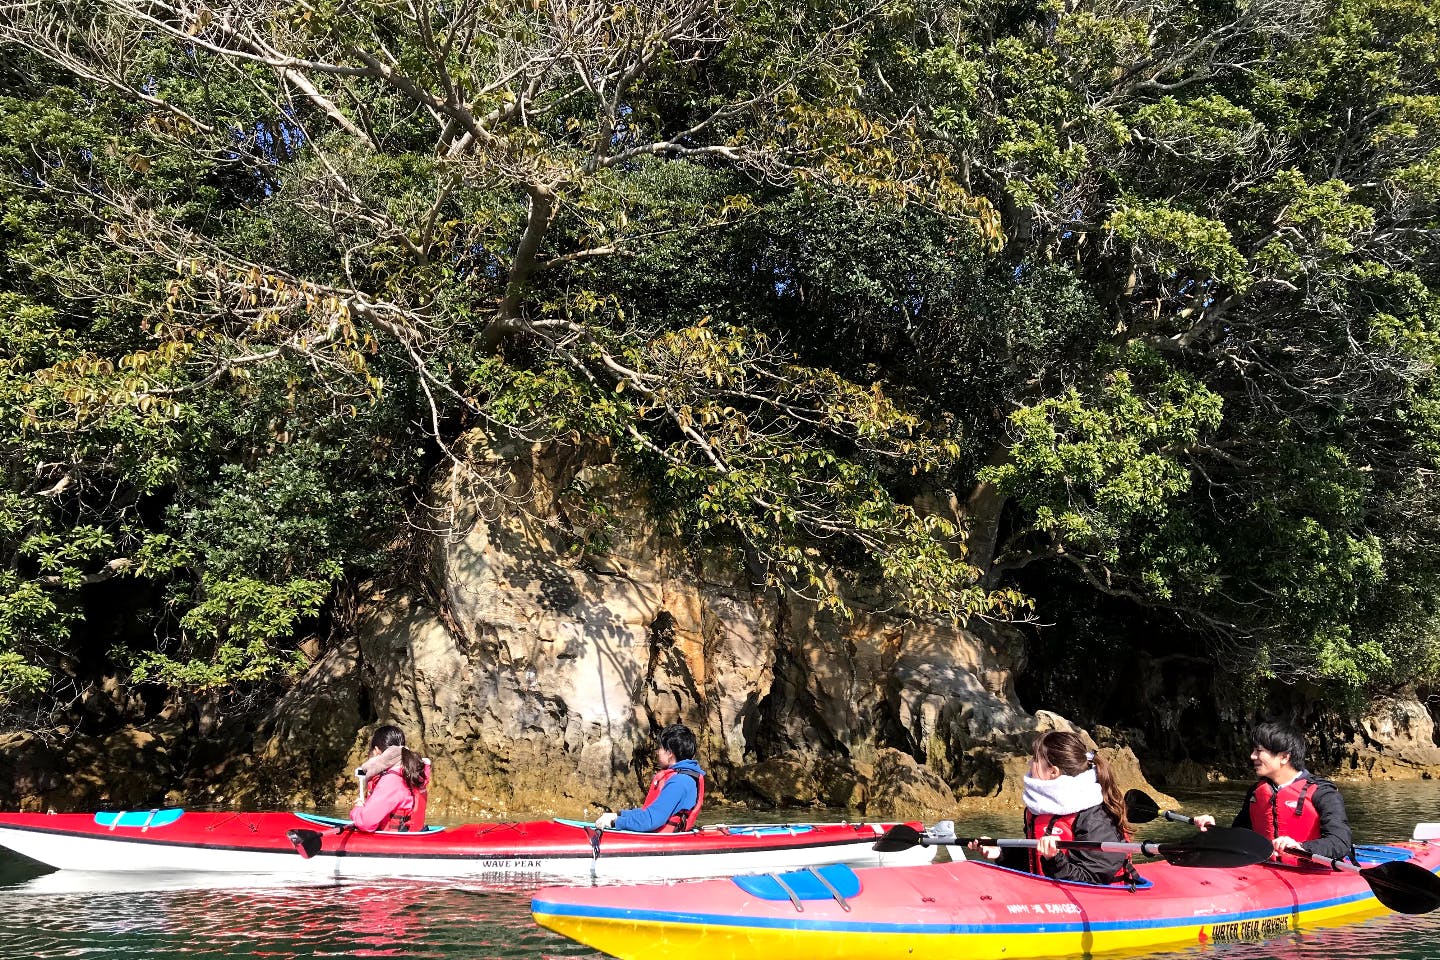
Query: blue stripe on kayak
<point>745,830</point>
<point>139,818</point>
<point>587,825</point>
<point>763,830</point>
<point>935,929</point>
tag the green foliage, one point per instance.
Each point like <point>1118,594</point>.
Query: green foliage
<point>1161,277</point>
<point>1169,241</point>
<point>1092,468</point>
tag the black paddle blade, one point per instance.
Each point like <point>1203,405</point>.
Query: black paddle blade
<point>1217,847</point>
<point>1403,886</point>
<point>1140,807</point>
<point>902,836</point>
<point>307,842</point>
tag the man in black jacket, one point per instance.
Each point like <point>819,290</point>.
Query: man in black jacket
<point>1289,806</point>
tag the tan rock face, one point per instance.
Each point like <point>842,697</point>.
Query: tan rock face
<point>561,628</point>
<point>1395,740</point>
<point>569,628</point>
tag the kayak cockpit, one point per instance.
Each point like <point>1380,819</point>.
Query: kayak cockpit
<point>334,822</point>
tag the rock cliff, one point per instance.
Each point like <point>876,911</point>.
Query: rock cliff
<point>562,628</point>
<point>554,627</point>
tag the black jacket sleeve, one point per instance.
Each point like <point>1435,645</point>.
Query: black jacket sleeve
<point>1089,866</point>
<point>1242,819</point>
<point>1335,840</point>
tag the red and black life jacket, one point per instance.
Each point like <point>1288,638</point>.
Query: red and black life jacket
<point>680,819</point>
<point>1287,811</point>
<point>412,818</point>
<point>1062,827</point>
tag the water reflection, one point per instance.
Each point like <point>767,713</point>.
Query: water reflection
<point>60,914</point>
<point>275,921</point>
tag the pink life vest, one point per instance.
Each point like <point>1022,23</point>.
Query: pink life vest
<point>407,817</point>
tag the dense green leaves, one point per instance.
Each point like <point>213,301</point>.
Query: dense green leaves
<point>1150,287</point>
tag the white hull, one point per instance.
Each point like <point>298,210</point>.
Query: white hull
<point>119,855</point>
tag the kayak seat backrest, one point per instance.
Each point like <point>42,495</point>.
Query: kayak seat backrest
<point>803,883</point>
<point>767,829</point>
<point>139,819</point>
<point>1379,853</point>
<point>324,821</point>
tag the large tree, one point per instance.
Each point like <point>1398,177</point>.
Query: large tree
<point>306,238</point>
<point>1149,286</point>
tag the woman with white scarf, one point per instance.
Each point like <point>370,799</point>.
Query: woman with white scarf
<point>1071,795</point>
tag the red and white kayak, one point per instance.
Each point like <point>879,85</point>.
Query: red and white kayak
<point>196,842</point>
<point>971,909</point>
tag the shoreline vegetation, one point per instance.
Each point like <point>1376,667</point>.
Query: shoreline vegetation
<point>855,382</point>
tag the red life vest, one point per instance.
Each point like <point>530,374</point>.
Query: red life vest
<point>1059,825</point>
<point>681,819</point>
<point>1288,811</point>
<point>408,818</point>
<point>1062,827</point>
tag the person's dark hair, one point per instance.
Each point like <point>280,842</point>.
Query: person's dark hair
<point>678,739</point>
<point>411,764</point>
<point>386,737</point>
<point>1066,752</point>
<point>1278,738</point>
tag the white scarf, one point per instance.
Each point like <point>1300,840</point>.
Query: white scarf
<point>1063,794</point>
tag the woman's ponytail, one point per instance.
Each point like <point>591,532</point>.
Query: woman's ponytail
<point>412,767</point>
<point>1114,799</point>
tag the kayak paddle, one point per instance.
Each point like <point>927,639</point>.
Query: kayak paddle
<point>1140,807</point>
<point>308,842</point>
<point>1219,847</point>
<point>1399,885</point>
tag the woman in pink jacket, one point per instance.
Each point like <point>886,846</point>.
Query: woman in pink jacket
<point>397,781</point>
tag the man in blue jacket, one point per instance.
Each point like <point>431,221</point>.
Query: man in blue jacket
<point>676,792</point>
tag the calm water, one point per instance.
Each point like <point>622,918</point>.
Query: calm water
<point>57,914</point>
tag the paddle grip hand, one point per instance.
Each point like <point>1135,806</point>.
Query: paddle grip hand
<point>986,846</point>
<point>1203,822</point>
<point>606,820</point>
<point>1288,845</point>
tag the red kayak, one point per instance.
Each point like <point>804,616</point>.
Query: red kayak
<point>302,844</point>
<point>981,911</point>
